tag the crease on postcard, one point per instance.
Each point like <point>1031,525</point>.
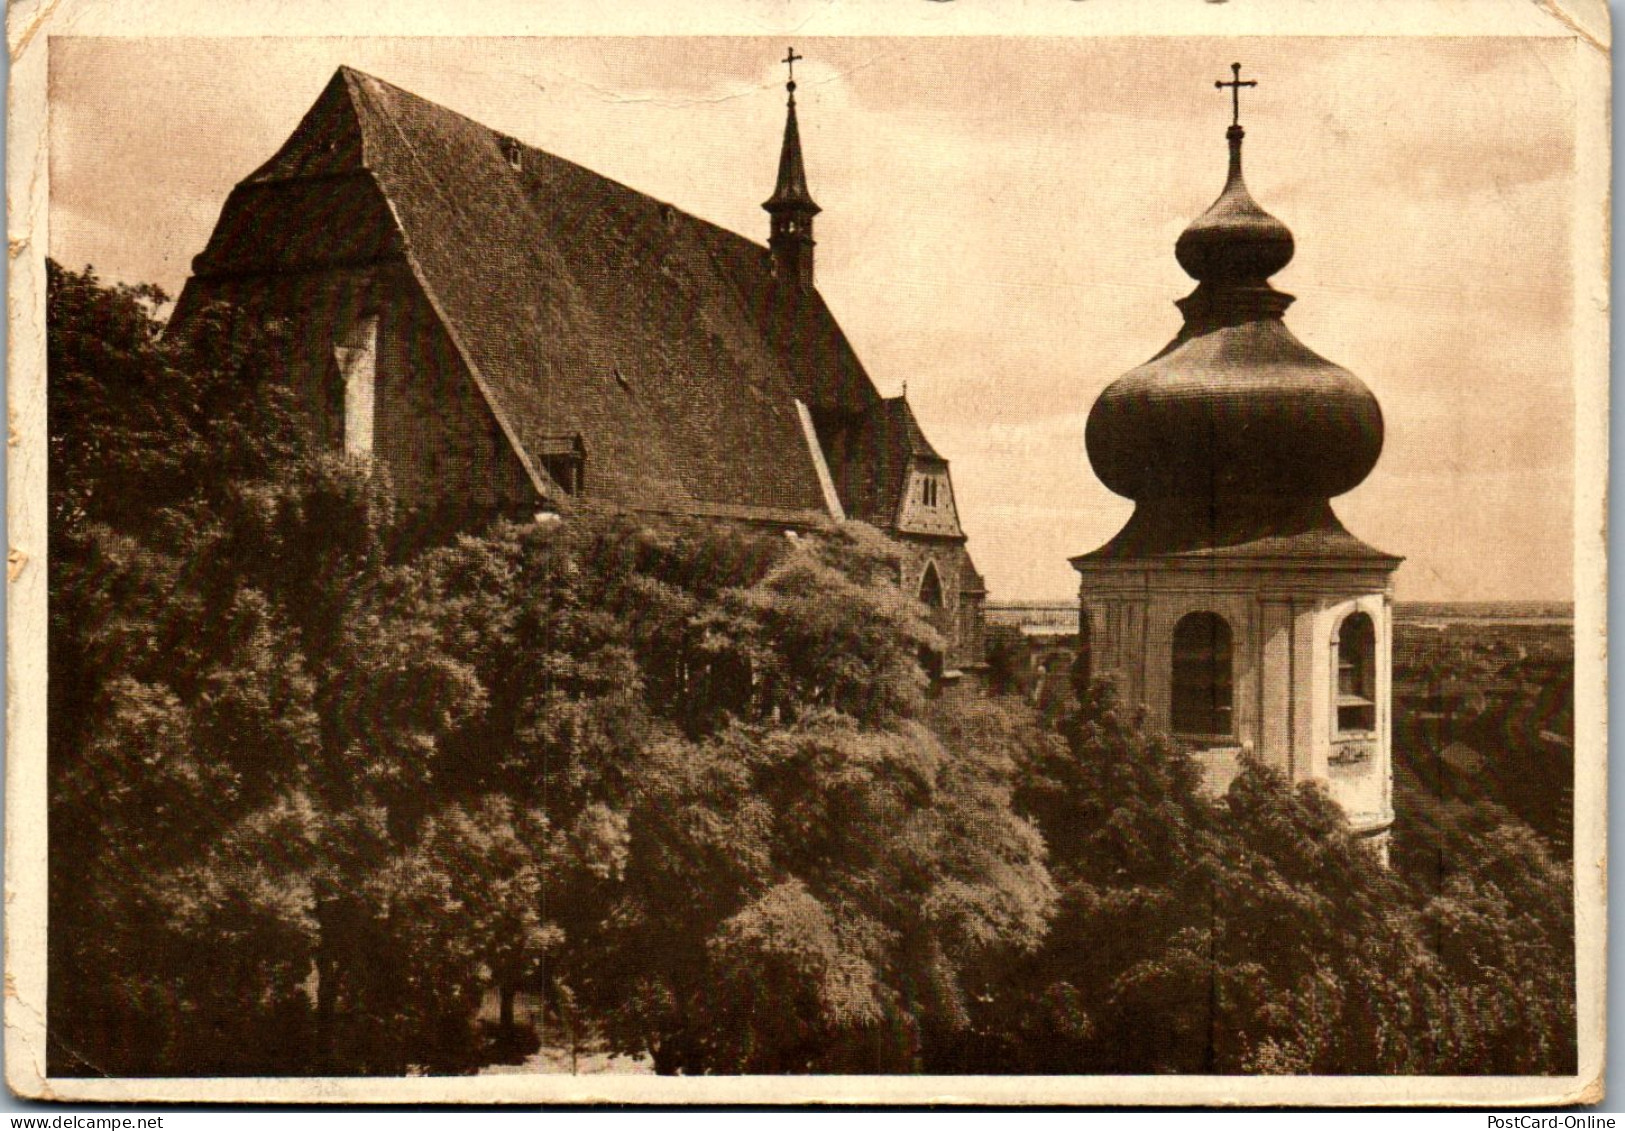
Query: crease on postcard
<point>1588,19</point>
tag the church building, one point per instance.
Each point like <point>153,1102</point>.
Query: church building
<point>1234,605</point>
<point>503,331</point>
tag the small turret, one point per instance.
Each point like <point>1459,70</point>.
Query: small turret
<point>791,205</point>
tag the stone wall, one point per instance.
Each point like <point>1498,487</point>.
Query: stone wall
<point>1284,626</point>
<point>961,619</point>
<point>434,434</point>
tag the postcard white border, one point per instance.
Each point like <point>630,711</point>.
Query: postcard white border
<point>32,22</point>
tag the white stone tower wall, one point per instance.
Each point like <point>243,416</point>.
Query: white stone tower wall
<point>1284,626</point>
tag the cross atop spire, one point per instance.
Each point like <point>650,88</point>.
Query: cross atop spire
<point>790,60</point>
<point>1235,84</point>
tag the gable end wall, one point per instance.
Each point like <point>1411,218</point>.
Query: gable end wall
<point>435,436</point>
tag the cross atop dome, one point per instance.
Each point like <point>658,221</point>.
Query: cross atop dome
<point>1235,246</point>
<point>1235,84</point>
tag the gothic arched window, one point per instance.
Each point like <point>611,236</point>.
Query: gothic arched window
<point>1356,688</point>
<point>1202,686</point>
<point>931,587</point>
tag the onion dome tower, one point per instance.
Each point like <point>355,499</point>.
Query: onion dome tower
<point>1234,605</point>
<point>791,206</point>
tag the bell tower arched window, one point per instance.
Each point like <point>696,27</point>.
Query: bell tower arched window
<point>1203,695</point>
<point>1356,689</point>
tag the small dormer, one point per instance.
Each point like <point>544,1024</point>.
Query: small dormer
<point>564,457</point>
<point>928,501</point>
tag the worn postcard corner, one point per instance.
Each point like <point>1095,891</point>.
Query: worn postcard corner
<point>1589,20</point>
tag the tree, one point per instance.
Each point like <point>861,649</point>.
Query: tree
<point>227,730</point>
<point>765,862</point>
<point>1254,933</point>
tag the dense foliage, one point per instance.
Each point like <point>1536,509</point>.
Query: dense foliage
<point>311,797</point>
<point>1253,933</point>
<point>318,789</point>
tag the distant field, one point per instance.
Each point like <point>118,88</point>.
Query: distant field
<point>1050,613</point>
<point>1553,612</point>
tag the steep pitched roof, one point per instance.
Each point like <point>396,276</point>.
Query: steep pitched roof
<point>579,305</point>
<point>869,456</point>
<point>905,427</point>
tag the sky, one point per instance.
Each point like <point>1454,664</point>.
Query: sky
<point>998,230</point>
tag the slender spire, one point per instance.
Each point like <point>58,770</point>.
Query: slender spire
<point>791,190</point>
<point>791,205</point>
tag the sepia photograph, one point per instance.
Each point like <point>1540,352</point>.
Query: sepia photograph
<point>1051,561</point>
